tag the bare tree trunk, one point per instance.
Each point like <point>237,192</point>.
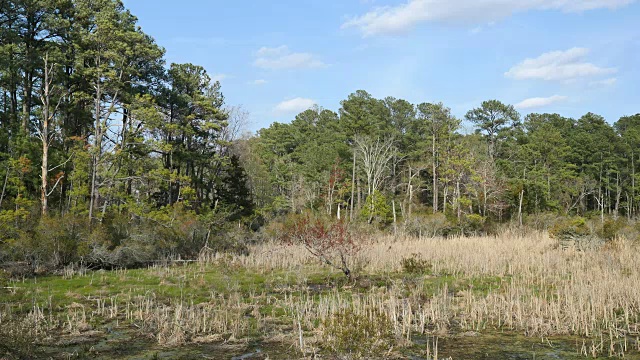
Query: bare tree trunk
<point>520,206</point>
<point>618,196</point>
<point>410,205</point>
<point>395,220</point>
<point>4,186</point>
<point>434,174</point>
<point>601,195</point>
<point>44,134</point>
<point>45,170</point>
<point>359,193</point>
<point>458,198</point>
<point>444,199</point>
<point>353,184</point>
<point>93,196</point>
<point>633,186</point>
<point>47,117</point>
<point>524,175</point>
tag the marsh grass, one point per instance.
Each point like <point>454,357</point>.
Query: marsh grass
<point>405,289</point>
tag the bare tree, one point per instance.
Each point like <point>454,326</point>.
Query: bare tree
<point>45,131</point>
<point>237,125</point>
<point>375,156</point>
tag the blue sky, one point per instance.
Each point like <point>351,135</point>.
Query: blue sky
<point>276,58</point>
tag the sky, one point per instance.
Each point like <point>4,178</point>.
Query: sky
<point>278,58</point>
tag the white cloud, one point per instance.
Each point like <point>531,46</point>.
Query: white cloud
<point>606,82</point>
<point>276,51</point>
<point>294,106</point>
<point>537,102</point>
<point>558,65</point>
<point>219,77</point>
<point>259,82</point>
<point>207,41</point>
<point>403,17</point>
<point>282,58</point>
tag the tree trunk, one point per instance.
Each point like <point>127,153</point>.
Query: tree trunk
<point>93,203</point>
<point>524,178</point>
<point>353,184</point>
<point>434,174</point>
<point>26,102</point>
<point>395,223</point>
<point>618,196</point>
<point>409,206</point>
<point>633,186</point>
<point>45,168</point>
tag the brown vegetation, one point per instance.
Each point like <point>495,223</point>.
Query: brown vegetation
<point>403,288</point>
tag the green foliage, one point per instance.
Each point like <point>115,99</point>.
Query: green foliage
<point>150,157</point>
<point>473,222</point>
<point>377,209</point>
<point>17,339</point>
<point>493,119</point>
<point>415,264</point>
<point>358,336</point>
<point>612,228</point>
<point>569,228</point>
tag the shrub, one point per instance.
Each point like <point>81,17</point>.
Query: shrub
<point>611,228</point>
<point>358,336</point>
<point>472,223</point>
<point>332,242</point>
<point>541,221</point>
<point>430,225</point>
<point>569,229</point>
<point>17,340</point>
<point>415,264</point>
<point>377,209</point>
<point>575,232</point>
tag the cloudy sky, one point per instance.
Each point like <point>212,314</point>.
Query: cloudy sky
<point>277,58</point>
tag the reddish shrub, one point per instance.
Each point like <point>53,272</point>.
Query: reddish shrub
<point>330,241</point>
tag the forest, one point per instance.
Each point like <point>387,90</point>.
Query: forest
<point>111,159</point>
<point>102,141</point>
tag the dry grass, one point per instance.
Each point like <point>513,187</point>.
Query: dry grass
<point>535,289</point>
<point>551,291</point>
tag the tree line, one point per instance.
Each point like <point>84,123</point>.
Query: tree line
<point>112,157</point>
<point>99,136</point>
<point>390,162</point>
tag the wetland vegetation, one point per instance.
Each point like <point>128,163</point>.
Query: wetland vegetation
<point>512,296</point>
<point>140,219</point>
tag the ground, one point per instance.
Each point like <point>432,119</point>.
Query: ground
<point>508,297</point>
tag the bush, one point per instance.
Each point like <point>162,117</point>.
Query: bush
<point>472,224</point>
<point>332,242</point>
<point>541,221</point>
<point>376,209</point>
<point>358,336</point>
<point>570,228</point>
<point>415,264</point>
<point>430,225</point>
<point>17,340</point>
<point>612,228</point>
<point>575,232</point>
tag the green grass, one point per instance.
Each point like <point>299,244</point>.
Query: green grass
<point>200,284</point>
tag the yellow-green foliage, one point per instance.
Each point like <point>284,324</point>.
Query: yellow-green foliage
<point>611,228</point>
<point>570,228</point>
<point>415,264</point>
<point>358,336</point>
<point>377,209</point>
